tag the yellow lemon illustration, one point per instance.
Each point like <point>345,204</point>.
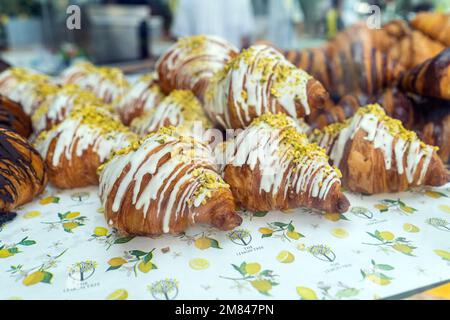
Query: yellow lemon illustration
<point>293,235</point>
<point>403,248</point>
<point>301,246</point>
<point>101,210</point>
<point>145,267</point>
<point>119,294</point>
<point>33,278</point>
<point>72,215</point>
<point>252,268</point>
<point>47,200</point>
<point>407,209</point>
<point>117,261</point>
<point>285,257</point>
<point>387,235</point>
<point>199,264</point>
<point>306,293</point>
<point>32,214</point>
<point>443,254</point>
<point>202,243</point>
<point>433,194</point>
<point>381,207</point>
<point>339,233</point>
<point>408,227</point>
<point>377,280</point>
<point>445,208</point>
<point>332,216</point>
<point>70,225</point>
<point>4,253</point>
<point>100,231</point>
<point>265,230</point>
<point>263,286</point>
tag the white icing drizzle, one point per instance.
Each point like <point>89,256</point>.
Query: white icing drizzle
<point>173,183</point>
<point>259,80</point>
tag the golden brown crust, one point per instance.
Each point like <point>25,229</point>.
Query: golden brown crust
<point>12,117</point>
<point>435,25</point>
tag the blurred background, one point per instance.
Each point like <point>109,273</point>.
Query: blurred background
<point>49,35</point>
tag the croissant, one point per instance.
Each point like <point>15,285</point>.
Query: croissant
<point>22,171</point>
<point>376,154</point>
<point>180,108</point>
<point>435,25</point>
<point>191,62</point>
<point>76,147</point>
<point>13,118</point>
<point>142,96</point>
<point>57,105</point>
<point>261,80</point>
<point>270,165</point>
<point>432,78</point>
<point>26,87</point>
<point>108,84</point>
<point>164,184</point>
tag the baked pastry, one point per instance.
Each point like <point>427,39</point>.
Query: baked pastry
<point>180,109</point>
<point>142,96</point>
<point>192,61</point>
<point>108,84</point>
<point>431,79</point>
<point>164,184</point>
<point>12,117</point>
<point>26,87</point>
<point>261,80</point>
<point>4,65</point>
<point>57,105</point>
<point>76,147</point>
<point>270,165</point>
<point>376,154</point>
<point>435,25</point>
<point>22,171</point>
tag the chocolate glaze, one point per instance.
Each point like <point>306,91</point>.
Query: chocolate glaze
<point>6,217</point>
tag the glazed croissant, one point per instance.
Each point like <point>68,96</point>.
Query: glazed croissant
<point>191,62</point>
<point>164,184</point>
<point>76,147</point>
<point>270,165</point>
<point>13,118</point>
<point>180,108</point>
<point>22,171</point>
<point>108,84</point>
<point>57,105</point>
<point>432,78</point>
<point>435,25</point>
<point>261,80</point>
<point>376,154</point>
<point>142,96</point>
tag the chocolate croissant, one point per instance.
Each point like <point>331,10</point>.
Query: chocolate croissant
<point>376,154</point>
<point>270,165</point>
<point>142,96</point>
<point>435,25</point>
<point>180,109</point>
<point>22,171</point>
<point>261,80</point>
<point>57,105</point>
<point>108,84</point>
<point>164,184</point>
<point>191,62</point>
<point>76,147</point>
<point>431,79</point>
<point>12,117</point>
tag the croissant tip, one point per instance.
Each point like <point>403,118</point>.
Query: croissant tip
<point>342,204</point>
<point>227,221</point>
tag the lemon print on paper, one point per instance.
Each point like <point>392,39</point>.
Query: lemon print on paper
<point>443,254</point>
<point>119,294</point>
<point>5,253</point>
<point>408,227</point>
<point>285,257</point>
<point>435,194</point>
<point>265,231</point>
<point>263,286</point>
<point>306,293</point>
<point>117,261</point>
<point>199,264</point>
<point>37,277</point>
<point>285,231</point>
<point>145,267</point>
<point>133,260</point>
<point>48,200</point>
<point>204,243</point>
<point>339,233</point>
<point>377,273</point>
<point>100,231</point>
<point>444,208</point>
<point>386,235</point>
<point>334,217</point>
<point>252,268</point>
<point>32,214</point>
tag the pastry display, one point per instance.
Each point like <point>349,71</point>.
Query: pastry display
<point>435,25</point>
<point>141,97</point>
<point>180,108</point>
<point>164,184</point>
<point>272,166</point>
<point>261,80</point>
<point>12,117</point>
<point>57,105</point>
<point>191,62</point>
<point>76,147</point>
<point>22,171</point>
<point>108,84</point>
<point>376,154</point>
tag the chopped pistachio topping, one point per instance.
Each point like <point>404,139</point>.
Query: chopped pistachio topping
<point>209,182</point>
<point>279,120</point>
<point>193,44</point>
